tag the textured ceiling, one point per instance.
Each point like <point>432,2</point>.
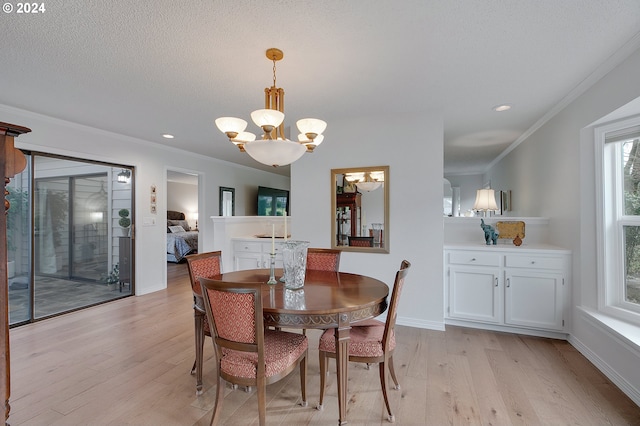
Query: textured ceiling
<point>143,68</point>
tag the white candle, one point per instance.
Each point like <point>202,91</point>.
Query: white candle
<point>285,225</point>
<point>273,238</point>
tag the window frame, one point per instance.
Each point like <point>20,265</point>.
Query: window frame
<point>611,220</point>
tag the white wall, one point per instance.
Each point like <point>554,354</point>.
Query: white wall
<point>183,197</point>
<point>412,148</point>
<point>151,162</point>
<point>552,174</point>
<point>468,185</point>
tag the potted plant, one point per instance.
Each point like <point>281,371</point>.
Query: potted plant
<point>124,221</point>
<point>113,277</point>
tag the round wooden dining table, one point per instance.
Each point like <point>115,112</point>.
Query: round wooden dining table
<point>328,300</point>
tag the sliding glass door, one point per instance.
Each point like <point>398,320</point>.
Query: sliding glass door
<point>71,251</point>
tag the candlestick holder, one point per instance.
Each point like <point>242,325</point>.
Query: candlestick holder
<point>272,270</point>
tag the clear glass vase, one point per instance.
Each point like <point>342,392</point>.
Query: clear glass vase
<point>377,234</point>
<point>294,256</point>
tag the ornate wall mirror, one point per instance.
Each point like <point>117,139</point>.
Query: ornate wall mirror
<point>227,201</point>
<point>360,209</point>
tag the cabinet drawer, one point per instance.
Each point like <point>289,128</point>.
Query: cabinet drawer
<point>474,258</point>
<point>247,247</point>
<point>533,262</point>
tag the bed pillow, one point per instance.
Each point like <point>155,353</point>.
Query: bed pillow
<point>176,228</point>
<point>183,223</point>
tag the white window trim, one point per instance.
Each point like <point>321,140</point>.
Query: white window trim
<point>610,249</point>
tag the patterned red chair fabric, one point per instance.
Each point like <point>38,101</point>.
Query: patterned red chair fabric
<point>246,353</point>
<point>371,342</point>
<point>321,259</point>
<point>203,265</point>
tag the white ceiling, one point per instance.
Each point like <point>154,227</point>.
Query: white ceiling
<point>144,68</point>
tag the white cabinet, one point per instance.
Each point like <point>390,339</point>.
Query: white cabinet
<point>474,286</point>
<point>254,253</point>
<point>534,291</point>
<point>508,288</point>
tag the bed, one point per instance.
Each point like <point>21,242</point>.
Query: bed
<point>181,240</point>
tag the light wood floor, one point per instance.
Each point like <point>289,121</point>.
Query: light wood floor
<point>127,363</point>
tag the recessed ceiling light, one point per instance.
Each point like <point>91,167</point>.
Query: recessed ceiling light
<point>167,136</point>
<point>500,108</point>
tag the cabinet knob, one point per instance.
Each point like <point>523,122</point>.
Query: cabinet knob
<point>533,261</point>
<point>473,259</point>
<point>496,281</point>
<point>508,282</point>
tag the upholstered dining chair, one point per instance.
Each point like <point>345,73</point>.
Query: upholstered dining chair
<point>322,259</point>
<point>203,265</point>
<point>246,353</point>
<point>372,341</point>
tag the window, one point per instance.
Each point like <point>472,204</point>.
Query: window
<point>619,224</point>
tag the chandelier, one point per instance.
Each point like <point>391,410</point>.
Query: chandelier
<point>273,149</point>
<point>366,181</point>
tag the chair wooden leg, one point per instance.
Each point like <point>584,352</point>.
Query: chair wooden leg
<point>303,380</point>
<point>323,375</point>
<point>393,373</point>
<point>262,400</point>
<point>217,408</point>
<point>383,384</point>
<point>199,338</point>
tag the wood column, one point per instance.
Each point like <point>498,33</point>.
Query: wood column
<point>12,162</point>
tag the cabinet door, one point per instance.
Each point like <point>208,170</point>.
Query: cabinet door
<point>534,299</point>
<point>247,260</point>
<point>474,294</point>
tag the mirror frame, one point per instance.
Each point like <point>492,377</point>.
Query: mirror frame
<point>233,199</point>
<point>385,186</point>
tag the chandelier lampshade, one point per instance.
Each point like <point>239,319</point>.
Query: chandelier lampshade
<point>366,181</point>
<point>275,152</point>
<point>231,126</point>
<point>267,119</point>
<point>273,149</point>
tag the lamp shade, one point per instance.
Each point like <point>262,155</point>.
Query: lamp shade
<point>368,186</point>
<point>275,152</point>
<point>244,137</point>
<point>485,200</point>
<point>267,117</point>
<point>231,124</point>
<point>311,125</point>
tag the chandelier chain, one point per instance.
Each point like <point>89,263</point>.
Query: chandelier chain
<point>274,72</point>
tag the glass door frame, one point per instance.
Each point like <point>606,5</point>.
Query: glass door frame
<point>111,233</point>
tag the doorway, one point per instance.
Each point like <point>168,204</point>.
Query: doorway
<point>183,201</point>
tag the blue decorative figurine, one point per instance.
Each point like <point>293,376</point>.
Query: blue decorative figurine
<point>490,234</point>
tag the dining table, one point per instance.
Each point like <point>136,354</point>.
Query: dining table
<point>328,299</point>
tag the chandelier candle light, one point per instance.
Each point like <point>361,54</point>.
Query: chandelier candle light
<point>273,149</point>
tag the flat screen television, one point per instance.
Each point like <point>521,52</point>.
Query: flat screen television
<point>273,202</point>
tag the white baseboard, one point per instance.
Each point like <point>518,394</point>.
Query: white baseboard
<point>606,369</point>
<point>412,322</point>
<point>507,329</point>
